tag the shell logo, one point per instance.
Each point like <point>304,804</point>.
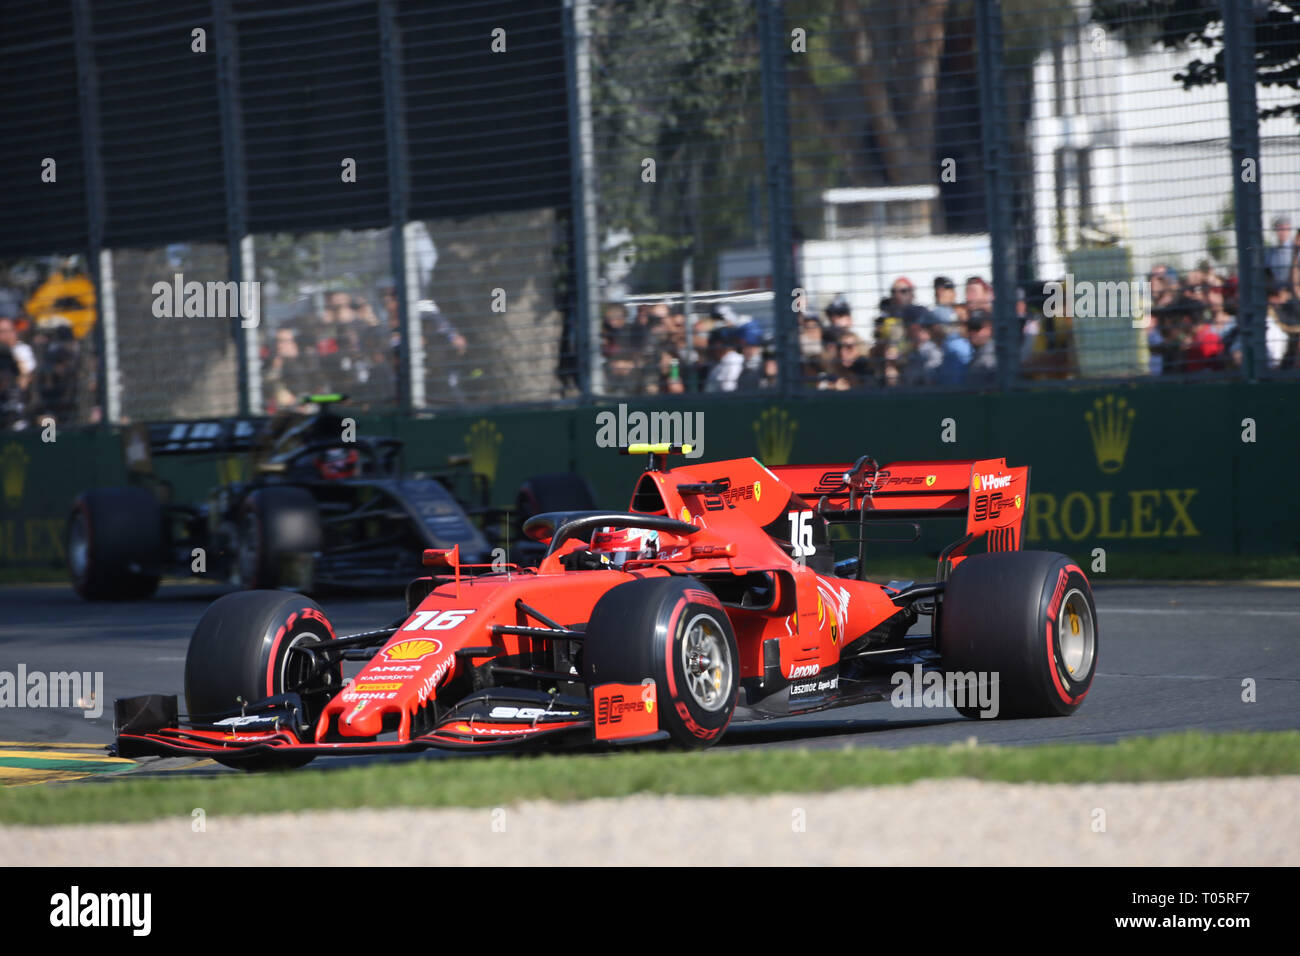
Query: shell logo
<point>413,650</point>
<point>976,483</point>
<point>686,514</point>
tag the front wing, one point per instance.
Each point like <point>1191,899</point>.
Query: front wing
<point>490,719</point>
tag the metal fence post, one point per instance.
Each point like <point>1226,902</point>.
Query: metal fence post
<point>997,159</point>
<point>1243,119</point>
<point>582,196</point>
<point>779,168</point>
<point>410,348</point>
<point>239,244</point>
<point>99,260</point>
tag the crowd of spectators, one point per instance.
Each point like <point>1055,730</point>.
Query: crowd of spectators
<point>1192,319</point>
<point>349,347</point>
<point>38,368</point>
<point>1190,323</point>
<point>948,343</point>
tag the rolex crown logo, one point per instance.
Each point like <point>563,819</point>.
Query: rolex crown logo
<point>774,429</point>
<point>483,440</point>
<point>1110,423</point>
<point>13,472</point>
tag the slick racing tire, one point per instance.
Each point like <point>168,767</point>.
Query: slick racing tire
<point>274,523</point>
<point>1026,622</point>
<point>245,648</point>
<point>116,544</point>
<point>675,631</point>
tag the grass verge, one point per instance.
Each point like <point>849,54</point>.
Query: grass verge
<point>501,780</point>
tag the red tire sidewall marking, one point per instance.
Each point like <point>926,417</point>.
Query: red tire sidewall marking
<point>1053,609</point>
<point>669,640</point>
<point>306,614</point>
<point>690,596</point>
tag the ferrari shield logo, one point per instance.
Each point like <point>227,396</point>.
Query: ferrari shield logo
<point>930,480</point>
<point>758,490</point>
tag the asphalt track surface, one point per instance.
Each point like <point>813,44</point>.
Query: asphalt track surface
<point>1172,657</point>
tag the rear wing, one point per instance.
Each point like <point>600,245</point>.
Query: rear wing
<point>222,436</point>
<point>991,495</point>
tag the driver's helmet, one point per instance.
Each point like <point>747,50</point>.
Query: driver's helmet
<point>618,545</point>
<point>335,463</point>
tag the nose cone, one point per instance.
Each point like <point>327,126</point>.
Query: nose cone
<point>363,719</point>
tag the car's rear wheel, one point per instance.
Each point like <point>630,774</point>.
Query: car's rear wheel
<point>116,544</point>
<point>1026,622</point>
<point>252,645</point>
<point>674,631</point>
<point>273,526</point>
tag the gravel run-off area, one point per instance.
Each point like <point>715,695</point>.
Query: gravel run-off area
<point>1249,821</point>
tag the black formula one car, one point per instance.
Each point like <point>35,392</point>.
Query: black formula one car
<point>325,510</point>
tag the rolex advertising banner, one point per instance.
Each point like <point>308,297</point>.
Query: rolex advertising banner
<point>1144,469</point>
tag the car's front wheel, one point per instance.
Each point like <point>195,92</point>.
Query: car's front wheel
<point>251,645</point>
<point>274,525</point>
<point>674,631</point>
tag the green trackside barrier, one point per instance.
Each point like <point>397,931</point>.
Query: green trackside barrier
<point>1136,469</point>
<point>39,479</point>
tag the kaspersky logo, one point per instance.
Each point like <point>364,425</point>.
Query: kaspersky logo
<point>1110,424</point>
<point>13,468</point>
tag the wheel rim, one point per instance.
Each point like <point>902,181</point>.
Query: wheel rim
<point>706,662</point>
<point>1076,636</point>
<point>78,547</point>
<point>295,669</point>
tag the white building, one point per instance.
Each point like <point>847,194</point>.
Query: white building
<point>1118,141</point>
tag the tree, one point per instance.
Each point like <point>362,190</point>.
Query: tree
<point>1197,25</point>
<point>676,83</point>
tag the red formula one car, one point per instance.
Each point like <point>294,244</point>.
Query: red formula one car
<point>715,597</point>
